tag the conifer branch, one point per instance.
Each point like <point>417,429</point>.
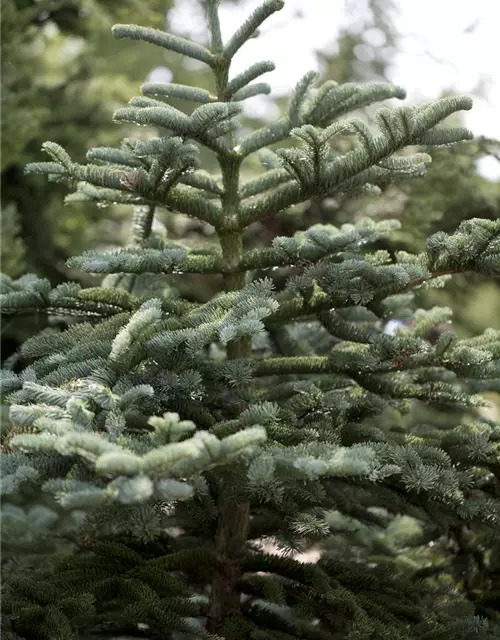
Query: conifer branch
<point>166,40</point>
<point>363,364</point>
<point>180,198</point>
<point>401,128</point>
<point>318,108</point>
<point>145,260</point>
<point>292,308</point>
<point>270,134</point>
<point>245,77</point>
<point>172,90</point>
<point>257,89</point>
<point>269,180</point>
<point>444,252</point>
<point>204,181</point>
<point>185,200</point>
<point>251,24</point>
<point>214,26</point>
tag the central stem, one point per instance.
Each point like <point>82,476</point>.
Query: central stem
<point>233,513</point>
<point>234,280</point>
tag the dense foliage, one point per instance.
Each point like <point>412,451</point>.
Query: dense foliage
<point>169,460</point>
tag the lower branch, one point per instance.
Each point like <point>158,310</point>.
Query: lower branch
<point>292,308</point>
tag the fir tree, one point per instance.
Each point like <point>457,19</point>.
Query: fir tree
<point>165,441</point>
